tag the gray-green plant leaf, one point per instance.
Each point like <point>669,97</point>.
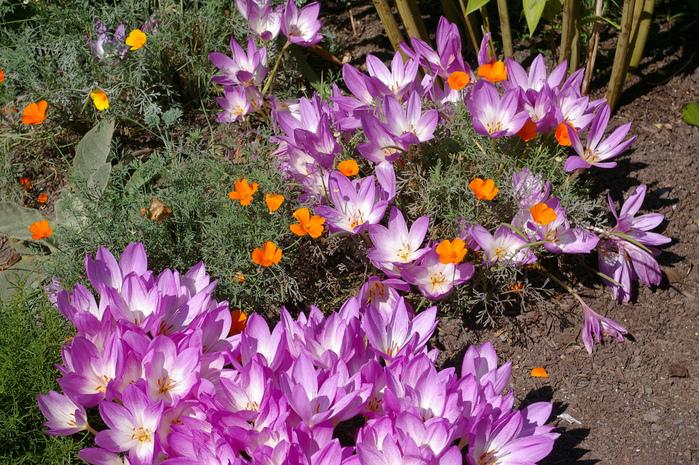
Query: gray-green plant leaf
<point>690,113</point>
<point>474,5</point>
<point>90,165</point>
<point>15,220</point>
<point>144,174</point>
<point>533,9</point>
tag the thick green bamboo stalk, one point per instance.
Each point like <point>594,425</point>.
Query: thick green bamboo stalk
<point>641,35</point>
<point>592,48</point>
<point>505,31</point>
<point>412,20</point>
<point>389,22</point>
<point>469,26</point>
<point>621,57</point>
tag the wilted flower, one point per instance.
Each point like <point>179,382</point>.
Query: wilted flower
<point>40,230</point>
<point>35,113</point>
<point>268,255</point>
<point>595,325</point>
<point>136,39</point>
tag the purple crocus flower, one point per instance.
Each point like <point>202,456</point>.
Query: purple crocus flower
<point>396,245</point>
<point>629,249</point>
<point>596,151</point>
<point>504,247</point>
<point>536,79</point>
<point>410,124</point>
<point>448,57</point>
<point>493,115</point>
<point>573,110</point>
<point>301,27</point>
<point>529,188</point>
<point>482,362</point>
<point>356,204</point>
<point>558,235</point>
<point>244,68</point>
<point>237,102</point>
<point>595,325</point>
<point>382,145</point>
<point>435,279</point>
<point>170,374</point>
<point>63,416</point>
<point>398,80</point>
<point>262,19</point>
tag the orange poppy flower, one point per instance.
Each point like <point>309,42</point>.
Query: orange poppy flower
<point>562,135</point>
<point>493,72</point>
<point>26,183</point>
<point>40,230</point>
<point>274,201</point>
<point>42,198</point>
<point>458,80</point>
<point>100,99</point>
<point>539,372</point>
<point>484,190</point>
<point>542,213</point>
<point>35,113</point>
<point>348,167</point>
<point>239,322</point>
<point>2,76</point>
<point>307,224</point>
<point>268,255</point>
<point>528,131</point>
<point>136,39</point>
<point>452,251</point>
<point>243,192</point>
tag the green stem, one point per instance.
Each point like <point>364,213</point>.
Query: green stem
<point>273,73</point>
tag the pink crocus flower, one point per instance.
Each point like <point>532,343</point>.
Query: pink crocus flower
<point>63,416</point>
<point>237,102</point>
<point>493,115</point>
<point>262,19</point>
<point>398,80</point>
<point>505,247</point>
<point>518,78</point>
<point>132,426</point>
<point>169,373</point>
<point>410,123</point>
<point>435,279</point>
<point>395,245</point>
<point>595,326</point>
<point>301,27</point>
<point>244,68</point>
<point>482,362</point>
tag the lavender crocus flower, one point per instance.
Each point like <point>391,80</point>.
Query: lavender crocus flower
<point>595,326</point>
<point>262,19</point>
<point>529,188</point>
<point>435,279</point>
<point>504,247</point>
<point>447,58</point>
<point>401,333</point>
<point>596,151</point>
<point>301,27</point>
<point>396,245</point>
<point>356,204</point>
<point>243,68</point>
<point>629,249</point>
<point>64,416</point>
<point>382,145</point>
<point>493,115</point>
<point>558,236</point>
<point>410,124</point>
<point>237,102</point>
<point>536,79</point>
<point>398,80</point>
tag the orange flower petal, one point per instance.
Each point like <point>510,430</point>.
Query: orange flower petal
<point>42,198</point>
<point>542,213</point>
<point>34,113</point>
<point>562,135</point>
<point>458,80</point>
<point>40,230</point>
<point>528,131</point>
<point>239,320</point>
<point>274,201</point>
<point>539,372</point>
<point>484,189</point>
<point>493,72</point>
<point>348,167</point>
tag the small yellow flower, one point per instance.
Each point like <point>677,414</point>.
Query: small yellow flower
<point>100,99</point>
<point>136,39</point>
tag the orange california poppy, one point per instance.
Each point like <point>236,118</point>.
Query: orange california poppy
<point>40,230</point>
<point>42,198</point>
<point>452,251</point>
<point>2,76</point>
<point>100,99</point>
<point>239,322</point>
<point>274,201</point>
<point>528,131</point>
<point>348,167</point>
<point>136,39</point>
<point>542,213</point>
<point>307,224</point>
<point>562,135</point>
<point>35,113</point>
<point>458,80</point>
<point>493,72</point>
<point>268,255</point>
<point>26,183</point>
<point>484,190</point>
<point>539,372</point>
<point>243,192</point>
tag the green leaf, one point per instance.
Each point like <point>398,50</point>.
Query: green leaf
<point>69,209</point>
<point>90,165</point>
<point>15,220</point>
<point>552,9</point>
<point>690,114</point>
<point>144,174</point>
<point>533,9</point>
<point>28,272</point>
<point>474,5</point>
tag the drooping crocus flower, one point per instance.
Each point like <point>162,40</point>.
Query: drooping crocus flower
<point>136,39</point>
<point>396,245</point>
<point>452,251</point>
<point>132,426</point>
<point>458,80</point>
<point>40,230</point>
<point>435,279</point>
<point>35,113</point>
<point>63,416</point>
<point>595,326</point>
<point>529,188</point>
<point>596,151</point>
<point>274,201</point>
<point>628,251</point>
<point>483,189</point>
<point>396,81</point>
<point>490,68</point>
<point>243,192</point>
<point>262,19</point>
<point>244,68</point>
<point>348,167</point>
<point>301,27</point>
<point>100,99</point>
<point>492,115</point>
<point>356,204</point>
<point>504,247</point>
<point>268,255</point>
<point>308,224</point>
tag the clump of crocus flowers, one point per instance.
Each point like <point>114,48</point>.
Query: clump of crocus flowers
<point>160,372</point>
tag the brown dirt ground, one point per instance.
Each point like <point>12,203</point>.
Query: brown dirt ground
<point>636,402</point>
